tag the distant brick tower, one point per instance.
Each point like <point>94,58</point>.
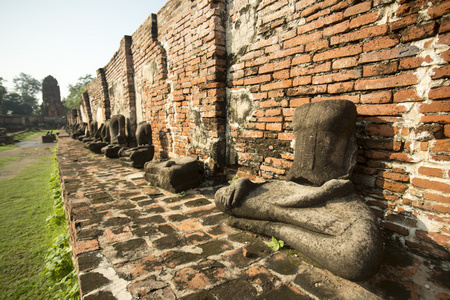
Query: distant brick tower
<point>51,98</point>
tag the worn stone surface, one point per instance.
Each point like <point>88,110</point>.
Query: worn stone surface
<point>175,175</point>
<point>111,209</point>
<point>317,212</point>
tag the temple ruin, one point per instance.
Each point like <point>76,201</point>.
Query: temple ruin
<point>219,81</point>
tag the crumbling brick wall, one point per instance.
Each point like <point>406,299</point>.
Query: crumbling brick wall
<point>220,80</point>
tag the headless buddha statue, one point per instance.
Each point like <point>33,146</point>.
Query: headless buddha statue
<point>316,211</point>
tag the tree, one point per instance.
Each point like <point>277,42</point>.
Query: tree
<point>23,101</point>
<point>27,85</point>
<point>2,94</point>
<point>75,91</point>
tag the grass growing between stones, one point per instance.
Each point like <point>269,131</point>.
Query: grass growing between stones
<point>25,203</point>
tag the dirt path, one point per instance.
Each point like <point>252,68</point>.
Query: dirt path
<point>28,152</point>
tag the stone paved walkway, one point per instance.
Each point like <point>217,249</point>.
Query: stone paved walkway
<point>135,241</point>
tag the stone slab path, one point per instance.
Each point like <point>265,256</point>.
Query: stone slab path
<point>135,241</point>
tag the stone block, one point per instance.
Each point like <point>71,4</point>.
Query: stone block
<point>175,175</point>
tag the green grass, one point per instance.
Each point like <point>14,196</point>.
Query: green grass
<point>7,147</point>
<point>25,203</point>
<point>6,160</point>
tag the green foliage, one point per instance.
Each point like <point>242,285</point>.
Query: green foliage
<point>24,84</point>
<point>75,91</point>
<point>181,194</point>
<point>24,100</point>
<point>58,262</point>
<point>25,240</point>
<point>233,180</point>
<point>276,244</point>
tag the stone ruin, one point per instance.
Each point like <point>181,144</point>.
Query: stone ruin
<point>50,137</point>
<point>51,98</point>
<point>316,210</point>
<point>5,138</point>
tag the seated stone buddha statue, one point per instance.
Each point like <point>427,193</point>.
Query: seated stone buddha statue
<point>316,210</point>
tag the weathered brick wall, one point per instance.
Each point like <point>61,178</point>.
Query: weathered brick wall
<point>388,57</point>
<point>220,79</point>
<point>180,80</point>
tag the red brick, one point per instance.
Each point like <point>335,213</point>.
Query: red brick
<point>404,22</point>
<point>302,4</point>
<point>441,146</point>
<point>380,69</point>
<point>431,185</point>
<point>286,136</point>
<point>359,34</point>
<point>300,71</point>
<point>445,24</point>
<point>301,80</point>
<point>439,93</point>
<point>380,43</point>
<point>364,19</point>
<point>273,103</point>
<point>410,8</point>
<point>347,75</point>
<point>271,119</point>
<point>253,134</point>
<point>411,63</point>
<point>307,90</point>
<point>435,106</point>
<point>395,176</point>
<point>299,102</point>
<point>274,126</point>
<point>327,20</point>
<point>442,119</point>
<point>395,227</point>
<point>437,197</point>
<point>343,63</point>
<point>439,10</point>
<point>358,9</point>
<point>86,246</point>
<point>392,186</point>
<point>409,95</point>
<point>273,112</point>
<point>342,87</point>
<point>428,171</point>
<point>418,32</point>
<point>388,54</point>
<point>338,52</point>
<point>285,64</point>
<point>323,78</point>
<point>306,58</point>
<point>303,39</point>
<point>284,74</point>
<point>336,29</point>
<point>317,45</point>
<point>272,169</point>
<point>444,39</point>
<point>441,72</point>
<point>387,82</point>
<point>288,52</point>
<point>277,85</point>
<point>322,12</point>
<point>378,97</point>
<point>257,80</point>
<point>381,110</point>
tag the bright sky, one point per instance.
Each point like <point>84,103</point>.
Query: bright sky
<point>65,38</point>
